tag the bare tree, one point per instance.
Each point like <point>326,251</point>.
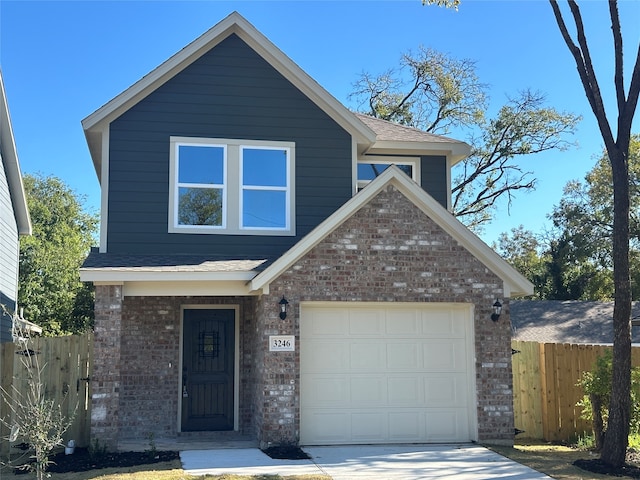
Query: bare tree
<point>616,437</point>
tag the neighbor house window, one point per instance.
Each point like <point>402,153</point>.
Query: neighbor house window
<point>371,167</point>
<point>231,187</point>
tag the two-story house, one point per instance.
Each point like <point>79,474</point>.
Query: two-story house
<point>14,222</point>
<point>273,264</point>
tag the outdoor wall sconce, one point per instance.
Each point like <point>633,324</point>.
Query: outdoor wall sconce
<point>283,308</point>
<point>497,310</point>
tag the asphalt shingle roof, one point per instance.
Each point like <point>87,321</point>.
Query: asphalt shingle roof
<point>393,132</point>
<point>169,263</point>
<point>571,321</point>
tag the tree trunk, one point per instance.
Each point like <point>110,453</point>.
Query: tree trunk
<point>598,424</point>
<point>616,437</point>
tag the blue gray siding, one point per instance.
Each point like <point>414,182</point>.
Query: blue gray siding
<point>230,92</point>
<point>433,173</point>
<point>9,255</point>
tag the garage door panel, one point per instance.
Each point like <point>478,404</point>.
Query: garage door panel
<point>329,321</point>
<point>367,322</point>
<point>326,356</point>
<point>369,427</point>
<point>443,323</point>
<point>446,425</point>
<point>406,426</point>
<point>391,373</point>
<point>405,322</point>
<point>366,356</point>
<point>330,427</point>
<point>446,391</point>
<point>446,355</point>
<point>403,356</point>
<point>406,390</point>
<point>327,391</point>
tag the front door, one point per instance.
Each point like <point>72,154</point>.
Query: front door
<point>208,370</point>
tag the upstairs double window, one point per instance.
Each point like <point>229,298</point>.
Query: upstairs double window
<point>231,187</point>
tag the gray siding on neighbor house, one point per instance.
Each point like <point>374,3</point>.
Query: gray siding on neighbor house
<point>433,177</point>
<point>230,92</point>
<point>9,248</point>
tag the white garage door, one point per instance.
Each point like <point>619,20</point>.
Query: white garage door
<point>386,373</point>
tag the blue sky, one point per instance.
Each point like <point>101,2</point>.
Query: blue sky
<point>63,60</point>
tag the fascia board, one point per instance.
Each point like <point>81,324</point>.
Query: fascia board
<point>515,283</point>
<point>234,23</point>
<point>116,275</point>
<point>456,151</point>
<point>9,154</point>
<point>188,288</point>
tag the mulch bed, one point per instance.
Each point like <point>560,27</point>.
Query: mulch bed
<point>286,453</point>
<point>81,461</point>
<point>598,466</point>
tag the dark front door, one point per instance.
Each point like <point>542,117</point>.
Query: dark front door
<point>208,369</point>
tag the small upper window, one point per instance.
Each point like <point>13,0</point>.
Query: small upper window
<point>231,186</point>
<point>371,167</point>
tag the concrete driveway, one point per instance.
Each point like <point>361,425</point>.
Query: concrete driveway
<point>384,462</point>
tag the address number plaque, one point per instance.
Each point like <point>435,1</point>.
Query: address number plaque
<point>282,343</point>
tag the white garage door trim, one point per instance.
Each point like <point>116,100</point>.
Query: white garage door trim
<point>387,373</point>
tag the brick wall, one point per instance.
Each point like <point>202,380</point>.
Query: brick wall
<point>137,377</point>
<point>389,251</point>
<point>105,377</point>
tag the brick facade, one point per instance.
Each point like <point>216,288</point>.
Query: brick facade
<point>388,251</point>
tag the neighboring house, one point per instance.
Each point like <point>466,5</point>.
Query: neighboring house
<point>567,321</point>
<point>232,183</point>
<point>14,222</point>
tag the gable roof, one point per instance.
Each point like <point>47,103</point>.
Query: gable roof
<point>235,23</point>
<point>371,135</point>
<point>566,321</point>
<point>11,164</point>
<point>514,283</point>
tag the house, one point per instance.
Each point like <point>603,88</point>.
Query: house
<point>567,321</point>
<point>253,276</point>
<point>14,222</point>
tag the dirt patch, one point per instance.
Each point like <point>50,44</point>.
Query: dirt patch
<point>598,466</point>
<point>286,453</point>
<point>564,462</point>
<point>81,461</point>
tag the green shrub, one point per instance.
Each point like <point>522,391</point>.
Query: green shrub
<point>596,385</point>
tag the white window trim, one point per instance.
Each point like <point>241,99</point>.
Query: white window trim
<point>232,191</point>
<point>413,161</point>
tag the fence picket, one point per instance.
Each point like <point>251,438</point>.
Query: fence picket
<point>64,361</point>
<point>545,400</point>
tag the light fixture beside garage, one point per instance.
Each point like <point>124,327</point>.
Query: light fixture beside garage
<point>284,305</point>
<point>497,310</point>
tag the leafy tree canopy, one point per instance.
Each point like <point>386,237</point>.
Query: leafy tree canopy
<point>439,94</point>
<point>573,261</point>
<point>49,280</point>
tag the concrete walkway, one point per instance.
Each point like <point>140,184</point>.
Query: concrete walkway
<point>383,462</point>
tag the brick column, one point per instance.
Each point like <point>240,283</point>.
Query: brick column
<point>106,367</point>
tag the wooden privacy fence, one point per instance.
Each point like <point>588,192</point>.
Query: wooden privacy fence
<point>66,369</point>
<point>545,391</point>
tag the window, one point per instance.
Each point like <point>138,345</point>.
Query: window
<point>231,187</point>
<point>369,167</point>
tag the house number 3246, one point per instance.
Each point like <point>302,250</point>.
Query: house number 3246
<point>282,343</point>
